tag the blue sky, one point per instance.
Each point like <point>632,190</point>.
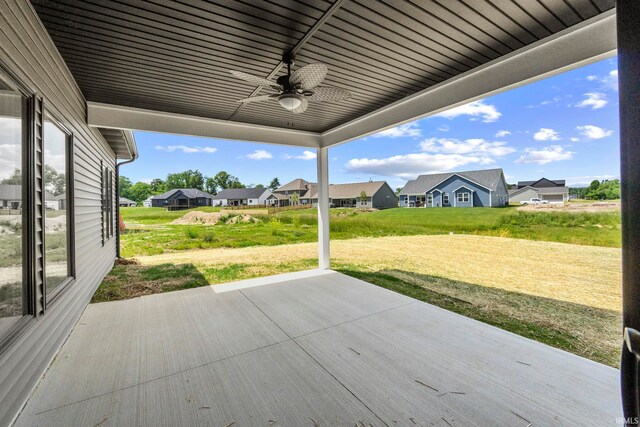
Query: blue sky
<point>563,127</point>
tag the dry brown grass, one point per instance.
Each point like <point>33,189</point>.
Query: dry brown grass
<point>585,275</point>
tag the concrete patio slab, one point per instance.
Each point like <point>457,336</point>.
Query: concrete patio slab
<point>326,349</point>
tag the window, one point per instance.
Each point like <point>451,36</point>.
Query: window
<point>429,199</point>
<point>12,246</point>
<point>462,197</point>
<point>107,203</point>
<point>57,213</point>
<point>445,199</point>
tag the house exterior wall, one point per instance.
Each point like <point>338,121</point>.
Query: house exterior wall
<point>262,200</point>
<point>481,195</point>
<point>407,200</point>
<point>525,195</point>
<point>500,197</point>
<point>28,53</point>
<point>385,198</point>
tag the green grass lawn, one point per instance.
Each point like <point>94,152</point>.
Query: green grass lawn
<point>149,231</point>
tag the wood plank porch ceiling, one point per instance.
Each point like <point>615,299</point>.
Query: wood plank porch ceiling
<point>175,56</point>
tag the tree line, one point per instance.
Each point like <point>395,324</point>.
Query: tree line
<point>140,191</point>
<point>598,190</point>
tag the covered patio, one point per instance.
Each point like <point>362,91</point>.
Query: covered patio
<point>311,348</point>
<point>308,349</point>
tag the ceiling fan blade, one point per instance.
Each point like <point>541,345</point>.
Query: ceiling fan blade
<point>309,76</point>
<point>258,81</point>
<point>329,93</point>
<point>302,108</point>
<point>256,98</point>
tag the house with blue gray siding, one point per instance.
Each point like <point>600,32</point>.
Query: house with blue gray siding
<point>479,188</point>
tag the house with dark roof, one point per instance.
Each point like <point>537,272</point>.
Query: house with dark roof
<point>124,202</point>
<point>242,197</point>
<point>284,195</point>
<point>362,195</point>
<point>551,190</point>
<point>11,198</point>
<point>477,188</point>
<point>184,198</point>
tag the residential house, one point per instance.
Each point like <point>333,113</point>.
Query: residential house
<point>284,195</point>
<point>242,197</point>
<point>551,190</point>
<point>477,188</point>
<point>11,198</point>
<point>371,194</point>
<point>182,198</point>
<point>124,202</point>
<point>147,202</point>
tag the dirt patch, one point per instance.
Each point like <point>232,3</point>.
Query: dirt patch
<point>197,217</point>
<point>574,207</point>
<point>242,219</point>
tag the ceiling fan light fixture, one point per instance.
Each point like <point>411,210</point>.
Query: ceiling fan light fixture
<point>290,101</point>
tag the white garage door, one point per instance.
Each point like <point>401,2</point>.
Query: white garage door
<point>552,198</point>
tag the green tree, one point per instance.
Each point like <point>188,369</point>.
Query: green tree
<point>235,183</point>
<point>15,178</point>
<point>56,182</point>
<point>259,186</point>
<point>294,199</point>
<point>186,179</point>
<point>225,180</point>
<point>363,197</point>
<point>139,191</point>
<point>124,184</point>
<point>275,183</point>
<point>158,186</point>
<point>604,190</point>
<point>210,186</point>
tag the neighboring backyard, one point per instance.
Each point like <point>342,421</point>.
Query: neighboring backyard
<point>508,267</point>
<point>150,232</point>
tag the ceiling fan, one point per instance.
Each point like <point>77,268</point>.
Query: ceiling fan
<point>295,90</point>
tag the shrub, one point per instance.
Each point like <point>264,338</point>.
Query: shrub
<point>191,233</point>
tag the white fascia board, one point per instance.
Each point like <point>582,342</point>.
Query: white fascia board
<point>121,117</point>
<point>581,44</point>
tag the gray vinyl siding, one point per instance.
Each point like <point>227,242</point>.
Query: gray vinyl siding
<point>500,197</point>
<point>385,198</point>
<point>524,195</point>
<point>29,54</point>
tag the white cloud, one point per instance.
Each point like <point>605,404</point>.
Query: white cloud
<point>610,81</point>
<point>553,153</point>
<point>259,155</point>
<point>594,100</point>
<point>594,132</point>
<point>546,134</point>
<point>502,133</point>
<point>576,181</point>
<point>405,130</point>
<point>488,113</point>
<point>472,146</point>
<point>444,128</point>
<point>185,149</point>
<point>306,155</point>
<point>409,166</point>
<point>574,139</point>
<point>592,78</point>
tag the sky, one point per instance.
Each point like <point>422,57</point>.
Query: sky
<point>563,127</point>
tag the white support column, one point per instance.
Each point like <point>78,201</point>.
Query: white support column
<point>323,209</point>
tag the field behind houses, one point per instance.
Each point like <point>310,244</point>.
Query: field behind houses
<point>149,231</point>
